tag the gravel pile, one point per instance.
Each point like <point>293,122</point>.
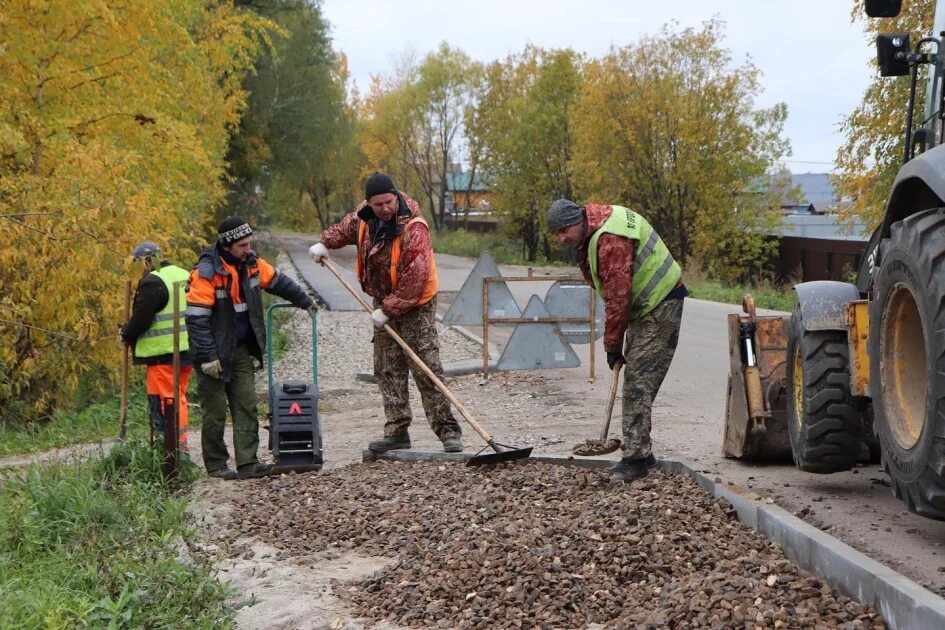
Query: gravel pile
<point>535,545</point>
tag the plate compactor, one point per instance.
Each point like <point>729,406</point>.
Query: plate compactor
<point>295,435</point>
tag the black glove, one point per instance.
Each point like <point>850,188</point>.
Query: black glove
<point>613,358</point>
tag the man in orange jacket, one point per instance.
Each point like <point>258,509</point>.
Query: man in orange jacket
<point>396,267</point>
<point>227,332</point>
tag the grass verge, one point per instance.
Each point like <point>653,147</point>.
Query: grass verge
<point>766,295</point>
<point>98,421</point>
<point>96,543</point>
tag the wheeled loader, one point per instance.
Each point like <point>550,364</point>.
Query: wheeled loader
<point>861,366</point>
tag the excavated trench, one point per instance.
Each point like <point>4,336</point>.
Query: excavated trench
<point>533,545</point>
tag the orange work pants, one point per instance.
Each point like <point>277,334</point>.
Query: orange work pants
<point>160,387</point>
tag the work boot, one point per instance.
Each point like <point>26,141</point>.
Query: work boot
<point>224,473</point>
<point>628,469</point>
<point>391,443</point>
<point>254,471</point>
<point>452,445</point>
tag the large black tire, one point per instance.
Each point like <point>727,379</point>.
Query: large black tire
<point>907,360</point>
<point>823,424</point>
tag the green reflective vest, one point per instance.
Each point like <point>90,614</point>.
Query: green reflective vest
<point>655,273</point>
<point>159,338</point>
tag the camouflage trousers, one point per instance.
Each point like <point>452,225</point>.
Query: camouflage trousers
<point>649,347</point>
<point>418,329</point>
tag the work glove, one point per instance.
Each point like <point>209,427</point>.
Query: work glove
<point>614,358</point>
<point>379,318</point>
<point>318,252</point>
<point>212,369</point>
<point>311,308</point>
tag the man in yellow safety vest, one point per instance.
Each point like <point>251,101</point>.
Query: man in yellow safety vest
<point>150,329</point>
<point>631,268</point>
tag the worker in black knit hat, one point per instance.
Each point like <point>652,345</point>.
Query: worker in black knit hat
<point>395,265</point>
<point>227,332</point>
<point>626,261</point>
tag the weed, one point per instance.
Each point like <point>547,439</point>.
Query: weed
<point>95,543</point>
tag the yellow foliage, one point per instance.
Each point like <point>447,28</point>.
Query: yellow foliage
<point>114,120</point>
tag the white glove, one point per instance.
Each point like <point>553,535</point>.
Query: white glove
<point>212,369</point>
<point>318,252</point>
<point>379,318</point>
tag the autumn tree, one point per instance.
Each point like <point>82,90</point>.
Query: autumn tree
<point>415,122</point>
<point>868,160</point>
<point>114,120</point>
<point>522,126</point>
<point>667,126</point>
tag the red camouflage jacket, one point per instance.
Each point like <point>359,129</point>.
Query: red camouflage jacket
<point>615,267</point>
<point>416,251</point>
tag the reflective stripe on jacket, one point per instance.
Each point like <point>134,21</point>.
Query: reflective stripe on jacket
<point>655,272</point>
<point>158,339</point>
<point>432,283</point>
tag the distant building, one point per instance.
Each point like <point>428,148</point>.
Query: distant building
<point>468,202</point>
<point>812,242</point>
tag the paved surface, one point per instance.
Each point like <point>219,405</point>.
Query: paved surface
<point>856,506</point>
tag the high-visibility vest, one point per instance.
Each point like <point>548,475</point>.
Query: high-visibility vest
<point>655,272</point>
<point>433,283</point>
<point>158,339</point>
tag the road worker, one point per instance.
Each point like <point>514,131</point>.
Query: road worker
<point>396,267</point>
<point>150,332</point>
<point>227,332</point>
<point>631,268</point>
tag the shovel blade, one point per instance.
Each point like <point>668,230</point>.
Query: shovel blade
<point>499,457</point>
<point>596,447</point>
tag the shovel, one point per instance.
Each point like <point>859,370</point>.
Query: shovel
<point>501,454</point>
<point>603,446</point>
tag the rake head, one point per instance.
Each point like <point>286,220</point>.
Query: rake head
<point>499,456</point>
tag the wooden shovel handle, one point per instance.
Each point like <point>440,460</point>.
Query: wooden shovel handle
<point>417,360</point>
<point>614,381</point>
<point>125,377</point>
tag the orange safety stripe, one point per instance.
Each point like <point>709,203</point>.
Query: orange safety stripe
<point>432,284</point>
<point>202,292</point>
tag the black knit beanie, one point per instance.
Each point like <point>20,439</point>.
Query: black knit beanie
<point>233,229</point>
<point>378,184</point>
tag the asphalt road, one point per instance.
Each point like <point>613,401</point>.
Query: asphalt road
<point>856,506</point>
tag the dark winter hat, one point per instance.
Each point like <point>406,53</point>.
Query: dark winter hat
<point>233,229</point>
<point>564,213</point>
<point>146,249</point>
<point>378,184</point>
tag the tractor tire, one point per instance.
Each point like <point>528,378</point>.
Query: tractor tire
<point>907,361</point>
<point>824,426</point>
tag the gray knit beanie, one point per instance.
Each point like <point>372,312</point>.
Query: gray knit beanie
<point>564,213</point>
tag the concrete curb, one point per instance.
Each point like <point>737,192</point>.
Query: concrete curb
<point>903,603</point>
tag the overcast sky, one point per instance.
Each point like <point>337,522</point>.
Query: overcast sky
<point>809,53</point>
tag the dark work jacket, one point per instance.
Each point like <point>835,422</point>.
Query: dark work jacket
<point>211,318</point>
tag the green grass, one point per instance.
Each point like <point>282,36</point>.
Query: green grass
<point>92,544</point>
<point>765,295</point>
<point>98,421</point>
<point>472,244</point>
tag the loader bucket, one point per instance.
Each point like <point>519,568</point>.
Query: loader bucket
<point>756,407</point>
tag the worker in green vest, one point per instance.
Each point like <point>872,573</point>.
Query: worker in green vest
<point>150,331</point>
<point>631,268</point>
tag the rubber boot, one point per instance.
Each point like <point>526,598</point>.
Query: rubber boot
<point>452,445</point>
<point>391,443</point>
<point>254,471</point>
<point>628,469</point>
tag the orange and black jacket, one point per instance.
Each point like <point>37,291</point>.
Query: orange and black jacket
<point>219,294</point>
